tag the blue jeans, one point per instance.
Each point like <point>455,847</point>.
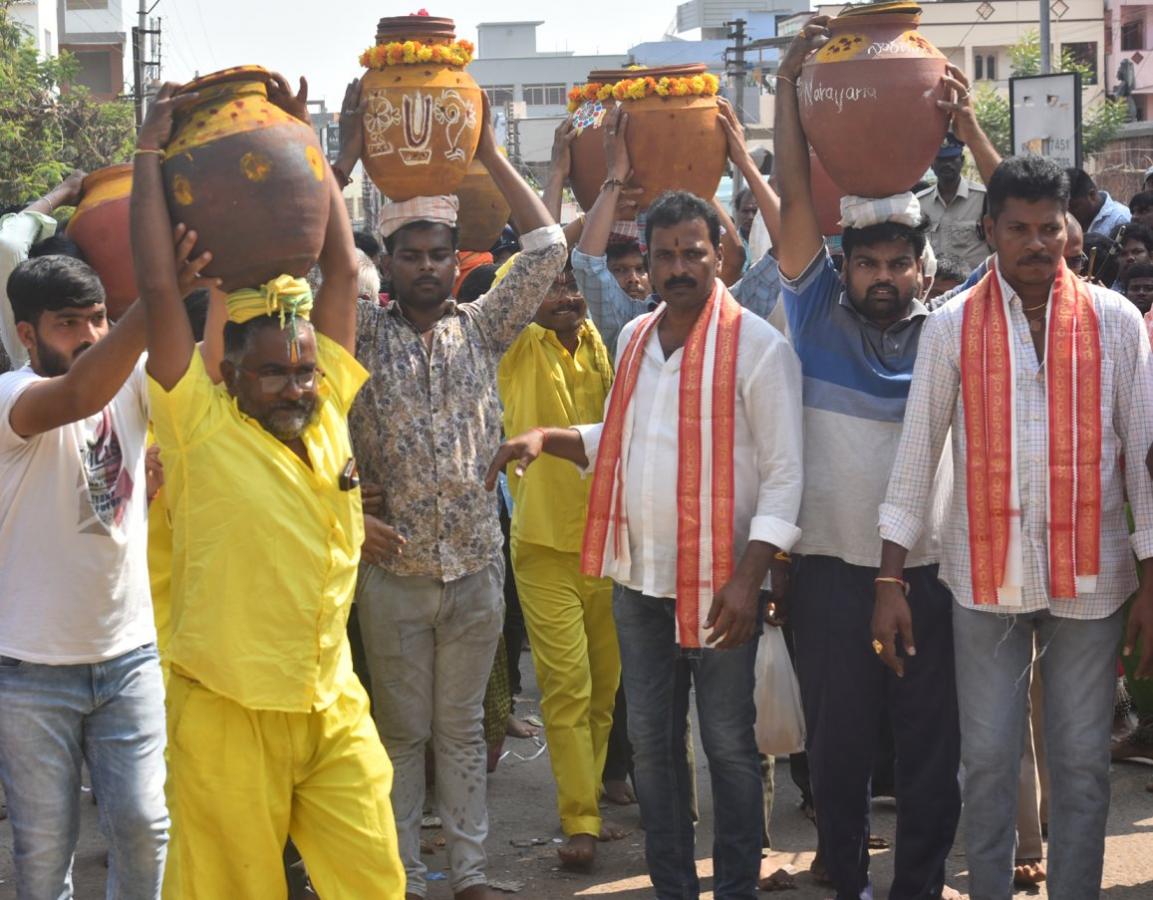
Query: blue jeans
<point>1077,661</point>
<point>111,716</point>
<point>656,675</point>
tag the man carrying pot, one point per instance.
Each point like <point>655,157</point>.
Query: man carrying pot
<point>431,600</point>
<point>269,729</point>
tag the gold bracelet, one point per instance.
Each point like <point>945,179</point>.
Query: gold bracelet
<point>782,556</point>
<point>612,182</point>
<point>899,581</point>
<point>148,150</point>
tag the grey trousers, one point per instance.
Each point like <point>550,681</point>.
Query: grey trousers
<point>430,647</point>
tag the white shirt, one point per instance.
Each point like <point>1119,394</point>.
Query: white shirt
<point>936,404</point>
<point>18,232</point>
<point>73,532</point>
<point>767,434</point>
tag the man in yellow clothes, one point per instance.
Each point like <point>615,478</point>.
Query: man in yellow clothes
<point>269,731</point>
<point>558,373</point>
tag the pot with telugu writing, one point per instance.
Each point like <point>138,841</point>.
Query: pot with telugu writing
<point>423,112</point>
<point>100,228</point>
<point>675,141</point>
<point>868,100</point>
<point>248,177</point>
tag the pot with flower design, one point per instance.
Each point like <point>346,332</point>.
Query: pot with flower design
<point>423,112</point>
<point>248,177</point>
<point>100,228</point>
<point>868,100</point>
<point>675,141</point>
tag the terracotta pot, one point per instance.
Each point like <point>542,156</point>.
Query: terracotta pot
<point>483,209</point>
<point>249,178</point>
<point>100,228</point>
<point>868,100</point>
<point>825,194</point>
<point>423,121</point>
<point>675,143</point>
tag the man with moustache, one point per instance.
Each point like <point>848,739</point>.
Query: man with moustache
<point>696,486</point>
<point>430,601</point>
<point>558,374</point>
<point>270,732</point>
<point>953,206</point>
<point>857,334</point>
<point>1035,546</point>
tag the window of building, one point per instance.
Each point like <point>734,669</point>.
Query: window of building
<point>991,67</point>
<point>978,67</point>
<point>1133,35</point>
<point>984,64</point>
<point>499,94</point>
<point>1084,54</point>
<point>544,94</point>
<point>86,4</point>
<point>95,72</point>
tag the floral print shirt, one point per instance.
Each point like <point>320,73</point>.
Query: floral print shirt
<point>428,422</point>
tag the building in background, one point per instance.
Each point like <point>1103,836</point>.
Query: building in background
<point>40,18</point>
<point>1129,54</point>
<point>98,33</point>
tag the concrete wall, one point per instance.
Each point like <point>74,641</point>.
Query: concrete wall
<point>94,16</point>
<point>38,18</point>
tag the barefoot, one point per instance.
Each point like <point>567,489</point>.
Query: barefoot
<point>1028,873</point>
<point>948,893</point>
<point>578,854</point>
<point>612,833</point>
<point>784,879</point>
<point>518,728</point>
<point>817,870</point>
<point>620,792</point>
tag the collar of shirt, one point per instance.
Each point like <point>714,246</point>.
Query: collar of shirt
<point>394,308</point>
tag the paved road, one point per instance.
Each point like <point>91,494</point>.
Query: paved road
<point>521,801</point>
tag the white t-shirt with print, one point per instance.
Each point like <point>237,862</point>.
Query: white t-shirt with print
<point>73,531</point>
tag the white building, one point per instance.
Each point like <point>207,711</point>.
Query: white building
<point>99,34</point>
<point>39,18</point>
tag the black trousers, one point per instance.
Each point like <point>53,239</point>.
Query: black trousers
<point>848,695</point>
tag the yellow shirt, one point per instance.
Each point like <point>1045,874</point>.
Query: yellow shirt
<point>265,549</point>
<point>542,384</point>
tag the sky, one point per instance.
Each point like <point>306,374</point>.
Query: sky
<point>321,39</point>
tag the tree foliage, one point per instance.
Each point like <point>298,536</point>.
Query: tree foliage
<point>48,128</point>
<point>1099,122</point>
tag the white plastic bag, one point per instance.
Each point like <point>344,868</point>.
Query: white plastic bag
<point>780,720</point>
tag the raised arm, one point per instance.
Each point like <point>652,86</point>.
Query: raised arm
<point>732,250</point>
<point>958,103</point>
<point>800,235</point>
<point>598,225</point>
<point>66,193</point>
<point>334,310</point>
<point>559,167</point>
<point>170,341</point>
<point>767,200</point>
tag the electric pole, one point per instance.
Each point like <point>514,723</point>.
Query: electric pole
<point>736,72</point>
<point>140,65</point>
<point>1046,49</point>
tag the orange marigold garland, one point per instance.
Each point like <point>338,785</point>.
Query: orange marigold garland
<point>705,85</point>
<point>413,53</point>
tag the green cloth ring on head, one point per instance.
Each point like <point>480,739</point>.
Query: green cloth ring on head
<point>284,295</point>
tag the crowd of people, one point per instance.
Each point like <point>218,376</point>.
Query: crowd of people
<point>269,556</point>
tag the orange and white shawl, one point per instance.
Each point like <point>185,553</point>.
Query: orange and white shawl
<point>1073,401</point>
<point>705,465</point>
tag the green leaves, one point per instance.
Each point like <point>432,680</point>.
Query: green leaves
<point>48,128</point>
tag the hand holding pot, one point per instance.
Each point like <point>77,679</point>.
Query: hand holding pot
<point>157,128</point>
<point>70,187</point>
<point>616,147</point>
<point>562,139</point>
<point>734,134</point>
<point>958,103</point>
<point>808,40</point>
<point>280,94</point>
<point>488,148</point>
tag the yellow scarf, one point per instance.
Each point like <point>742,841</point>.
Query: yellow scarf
<point>288,296</point>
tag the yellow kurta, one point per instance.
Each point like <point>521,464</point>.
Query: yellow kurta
<point>568,615</point>
<point>265,549</point>
<point>269,731</point>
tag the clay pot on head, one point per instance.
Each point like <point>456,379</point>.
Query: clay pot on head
<point>483,209</point>
<point>100,228</point>
<point>249,178</point>
<point>868,100</point>
<point>675,143</point>
<point>826,196</point>
<point>422,122</point>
